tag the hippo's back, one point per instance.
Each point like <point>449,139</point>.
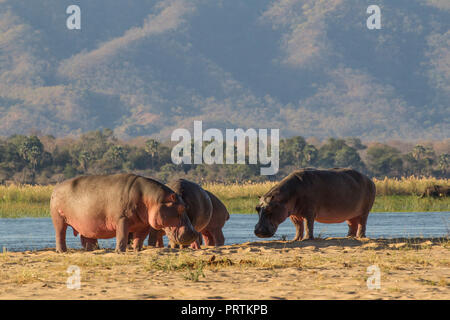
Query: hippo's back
<point>92,195</point>
<point>199,208</point>
<point>334,194</point>
<point>220,213</point>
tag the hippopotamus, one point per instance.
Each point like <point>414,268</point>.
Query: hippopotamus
<point>327,196</point>
<point>193,195</point>
<point>104,206</point>
<point>198,207</point>
<point>212,234</point>
<point>436,191</point>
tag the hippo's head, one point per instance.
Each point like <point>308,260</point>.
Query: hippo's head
<point>272,211</point>
<point>173,219</point>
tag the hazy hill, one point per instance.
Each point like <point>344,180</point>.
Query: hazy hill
<point>308,67</point>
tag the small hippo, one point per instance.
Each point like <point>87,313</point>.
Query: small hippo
<point>198,207</point>
<point>326,196</point>
<point>107,206</point>
<point>212,232</point>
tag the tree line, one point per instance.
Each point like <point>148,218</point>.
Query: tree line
<point>47,160</point>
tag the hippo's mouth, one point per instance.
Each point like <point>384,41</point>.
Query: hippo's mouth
<point>181,239</point>
<point>265,230</point>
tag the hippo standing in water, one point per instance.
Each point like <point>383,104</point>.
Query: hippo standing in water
<point>326,196</point>
<point>101,207</point>
<point>206,212</point>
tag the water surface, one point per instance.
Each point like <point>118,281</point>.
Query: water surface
<point>38,233</point>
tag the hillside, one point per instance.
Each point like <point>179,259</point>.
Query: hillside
<point>308,67</point>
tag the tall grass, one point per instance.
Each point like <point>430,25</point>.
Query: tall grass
<point>25,193</point>
<point>386,187</point>
<point>407,186</point>
<point>392,195</point>
<point>24,201</point>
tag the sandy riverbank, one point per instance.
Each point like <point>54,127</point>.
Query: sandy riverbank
<point>332,268</point>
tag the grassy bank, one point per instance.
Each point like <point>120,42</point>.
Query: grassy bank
<point>399,195</point>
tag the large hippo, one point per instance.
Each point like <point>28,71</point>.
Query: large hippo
<point>326,196</point>
<point>104,206</point>
<point>212,232</point>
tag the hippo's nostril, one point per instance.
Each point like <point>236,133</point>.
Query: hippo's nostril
<point>187,238</point>
<point>263,232</point>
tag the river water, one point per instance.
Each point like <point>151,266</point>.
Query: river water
<point>38,233</point>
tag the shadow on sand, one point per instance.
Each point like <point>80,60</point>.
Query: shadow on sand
<point>381,243</point>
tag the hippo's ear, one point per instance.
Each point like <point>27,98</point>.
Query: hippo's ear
<point>171,198</point>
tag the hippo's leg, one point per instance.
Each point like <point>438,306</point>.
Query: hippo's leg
<point>219,238</point>
<point>309,228</point>
<point>60,232</point>
<point>361,233</point>
<point>83,241</point>
<point>298,223</point>
<point>122,235</point>
<point>138,239</point>
<point>208,238</point>
<point>197,243</point>
<point>130,240</point>
<point>353,226</point>
<point>159,240</point>
<point>155,238</point>
<point>89,244</point>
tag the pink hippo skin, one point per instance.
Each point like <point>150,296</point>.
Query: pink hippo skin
<point>212,232</point>
<point>107,206</point>
<point>326,196</point>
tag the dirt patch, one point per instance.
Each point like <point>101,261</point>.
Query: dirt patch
<point>332,268</point>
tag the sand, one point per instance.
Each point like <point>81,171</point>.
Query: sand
<point>332,268</point>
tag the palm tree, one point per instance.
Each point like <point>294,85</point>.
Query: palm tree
<point>151,147</point>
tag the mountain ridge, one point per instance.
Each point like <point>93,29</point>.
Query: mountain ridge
<point>147,67</point>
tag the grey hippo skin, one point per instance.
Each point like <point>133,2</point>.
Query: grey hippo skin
<point>199,202</point>
<point>198,208</point>
<point>326,196</point>
<point>107,206</point>
<point>212,234</point>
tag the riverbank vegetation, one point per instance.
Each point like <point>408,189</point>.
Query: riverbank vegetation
<point>46,160</point>
<point>393,195</point>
